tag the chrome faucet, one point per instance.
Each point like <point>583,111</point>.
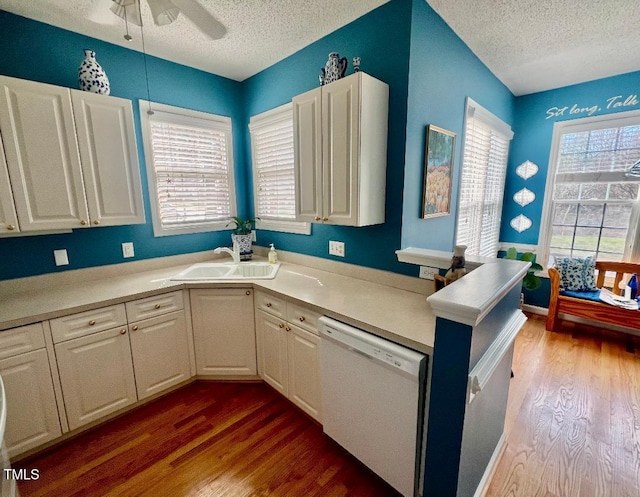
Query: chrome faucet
<point>232,253</point>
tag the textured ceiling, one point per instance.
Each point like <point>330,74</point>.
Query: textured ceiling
<point>530,45</point>
<point>259,32</point>
<point>536,45</point>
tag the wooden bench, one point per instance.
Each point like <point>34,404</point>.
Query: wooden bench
<point>588,309</point>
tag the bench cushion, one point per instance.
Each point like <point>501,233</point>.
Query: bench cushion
<point>595,296</point>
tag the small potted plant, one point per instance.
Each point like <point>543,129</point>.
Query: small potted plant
<point>530,281</point>
<point>242,236</point>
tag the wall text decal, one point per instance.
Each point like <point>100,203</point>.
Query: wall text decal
<point>614,102</point>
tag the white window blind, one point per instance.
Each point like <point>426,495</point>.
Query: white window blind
<point>273,170</point>
<point>190,163</point>
<point>484,165</point>
<point>591,205</point>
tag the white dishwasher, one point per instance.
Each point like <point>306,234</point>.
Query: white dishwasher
<point>373,401</point>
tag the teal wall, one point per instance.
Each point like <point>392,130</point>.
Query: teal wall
<point>381,40</point>
<point>533,127</point>
<point>36,51</point>
<point>442,73</point>
<point>430,72</point>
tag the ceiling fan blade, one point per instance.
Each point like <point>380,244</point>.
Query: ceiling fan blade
<point>201,18</point>
<point>99,13</point>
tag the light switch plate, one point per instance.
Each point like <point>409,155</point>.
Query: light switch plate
<point>127,249</point>
<point>61,257</point>
<point>336,248</point>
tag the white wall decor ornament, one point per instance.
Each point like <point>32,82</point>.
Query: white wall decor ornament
<point>527,169</point>
<point>524,197</point>
<point>521,223</point>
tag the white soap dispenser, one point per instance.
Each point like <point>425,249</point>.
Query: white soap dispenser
<point>273,255</point>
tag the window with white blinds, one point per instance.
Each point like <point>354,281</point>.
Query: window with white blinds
<point>273,173</point>
<point>484,166</point>
<point>591,205</point>
<point>190,169</point>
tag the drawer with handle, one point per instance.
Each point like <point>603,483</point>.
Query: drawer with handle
<point>88,322</point>
<point>303,317</point>
<point>20,340</point>
<point>273,305</point>
<point>157,305</point>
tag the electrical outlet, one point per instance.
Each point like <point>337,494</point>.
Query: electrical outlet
<point>61,257</point>
<point>428,272</point>
<point>336,248</point>
<point>127,249</point>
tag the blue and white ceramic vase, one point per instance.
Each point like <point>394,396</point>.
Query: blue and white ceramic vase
<point>91,76</point>
<point>335,68</point>
<point>244,244</point>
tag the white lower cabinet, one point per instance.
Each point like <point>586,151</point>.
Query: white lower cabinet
<point>272,351</point>
<point>224,331</point>
<point>288,355</point>
<point>32,413</point>
<point>160,351</point>
<point>96,372</point>
<point>304,370</point>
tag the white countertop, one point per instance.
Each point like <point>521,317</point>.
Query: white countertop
<point>399,315</point>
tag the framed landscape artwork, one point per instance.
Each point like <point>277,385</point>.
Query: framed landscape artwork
<point>438,166</point>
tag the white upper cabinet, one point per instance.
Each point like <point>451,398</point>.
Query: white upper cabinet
<point>45,136</point>
<point>39,136</point>
<point>109,158</point>
<point>340,145</point>
<point>8,218</point>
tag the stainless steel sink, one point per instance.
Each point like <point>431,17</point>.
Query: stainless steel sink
<point>228,271</point>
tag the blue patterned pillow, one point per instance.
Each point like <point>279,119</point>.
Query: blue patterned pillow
<point>577,273</point>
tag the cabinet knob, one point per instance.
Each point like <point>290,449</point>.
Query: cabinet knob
<point>288,328</point>
<point>11,227</point>
<point>318,218</point>
<point>96,221</point>
<point>302,318</point>
<point>123,332</point>
<point>92,322</point>
<point>268,304</point>
<point>157,306</point>
<point>248,292</point>
<point>325,219</point>
<point>281,325</point>
<point>83,222</point>
<point>134,328</point>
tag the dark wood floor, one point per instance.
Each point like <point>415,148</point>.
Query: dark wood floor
<point>573,420</point>
<point>573,429</point>
<point>207,439</point>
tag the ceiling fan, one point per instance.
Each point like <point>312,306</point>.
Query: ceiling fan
<point>166,11</point>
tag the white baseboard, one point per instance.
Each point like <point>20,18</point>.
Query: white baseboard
<point>483,486</point>
<point>543,311</point>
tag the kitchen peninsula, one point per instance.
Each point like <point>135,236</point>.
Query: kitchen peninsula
<point>466,330</point>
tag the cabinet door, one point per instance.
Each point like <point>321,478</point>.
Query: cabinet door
<point>160,350</point>
<point>8,218</point>
<point>307,145</point>
<point>304,370</point>
<point>96,373</point>
<point>109,158</point>
<point>340,150</point>
<point>32,413</point>
<point>42,155</point>
<point>224,331</point>
<point>272,351</point>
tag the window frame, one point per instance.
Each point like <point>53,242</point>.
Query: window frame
<point>476,111</point>
<point>266,119</point>
<point>560,128</point>
<point>188,117</point>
